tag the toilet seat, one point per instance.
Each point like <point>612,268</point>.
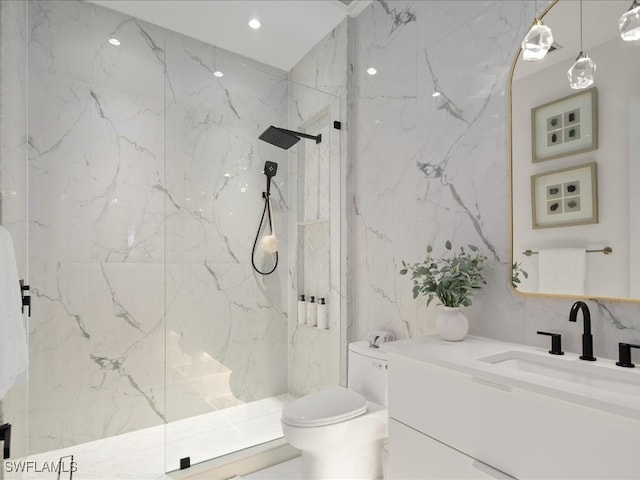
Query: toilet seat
<point>329,406</point>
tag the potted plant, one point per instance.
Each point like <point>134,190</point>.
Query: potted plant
<point>452,279</point>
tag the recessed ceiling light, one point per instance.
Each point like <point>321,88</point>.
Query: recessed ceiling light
<point>371,71</point>
<point>436,94</point>
<point>218,73</point>
<point>114,41</point>
<point>254,23</point>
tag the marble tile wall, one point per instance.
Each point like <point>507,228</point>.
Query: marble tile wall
<point>216,303</point>
<point>317,184</point>
<point>430,169</point>
<point>145,181</point>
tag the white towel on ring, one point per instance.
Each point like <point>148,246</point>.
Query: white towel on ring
<point>14,356</point>
<point>562,271</point>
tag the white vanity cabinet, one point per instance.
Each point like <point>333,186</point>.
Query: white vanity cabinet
<point>449,422</point>
<point>414,455</point>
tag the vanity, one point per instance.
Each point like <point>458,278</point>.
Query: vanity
<point>482,408</point>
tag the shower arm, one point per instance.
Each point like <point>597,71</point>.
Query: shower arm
<point>317,138</point>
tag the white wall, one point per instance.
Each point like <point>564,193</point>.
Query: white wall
<point>430,169</point>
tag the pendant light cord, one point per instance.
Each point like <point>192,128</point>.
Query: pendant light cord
<point>581,26</point>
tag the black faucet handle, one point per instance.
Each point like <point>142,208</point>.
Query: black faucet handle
<point>624,351</point>
<point>556,342</point>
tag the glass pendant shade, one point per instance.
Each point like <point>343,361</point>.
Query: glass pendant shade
<point>537,42</point>
<point>582,72</point>
<point>629,23</point>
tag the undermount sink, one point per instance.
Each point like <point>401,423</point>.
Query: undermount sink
<point>587,374</point>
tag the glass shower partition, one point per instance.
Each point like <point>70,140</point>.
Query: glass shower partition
<point>234,353</point>
<point>132,183</point>
<point>96,216</point>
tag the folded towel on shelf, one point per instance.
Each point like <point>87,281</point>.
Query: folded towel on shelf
<point>376,337</point>
<point>562,271</point>
<point>14,356</point>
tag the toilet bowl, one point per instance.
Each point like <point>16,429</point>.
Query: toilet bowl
<point>341,431</point>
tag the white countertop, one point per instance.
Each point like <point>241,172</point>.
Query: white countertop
<point>465,357</point>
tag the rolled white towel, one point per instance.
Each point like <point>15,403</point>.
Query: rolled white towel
<point>377,337</point>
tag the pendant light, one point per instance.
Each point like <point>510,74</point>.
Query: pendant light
<point>537,41</point>
<point>629,23</point>
<point>582,72</point>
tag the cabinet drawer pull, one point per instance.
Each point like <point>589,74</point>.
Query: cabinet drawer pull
<point>489,383</point>
<point>492,472</point>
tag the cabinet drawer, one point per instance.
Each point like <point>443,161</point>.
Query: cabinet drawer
<point>526,434</point>
<point>413,455</point>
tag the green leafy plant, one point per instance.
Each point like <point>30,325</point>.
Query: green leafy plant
<point>452,279</point>
<point>516,270</point>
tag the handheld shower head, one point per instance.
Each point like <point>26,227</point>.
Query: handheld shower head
<point>285,139</point>
<point>270,170</point>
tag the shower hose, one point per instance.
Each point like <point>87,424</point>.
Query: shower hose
<point>265,211</point>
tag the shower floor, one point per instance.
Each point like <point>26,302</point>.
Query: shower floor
<point>141,455</point>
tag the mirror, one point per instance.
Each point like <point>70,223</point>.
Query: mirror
<point>575,165</point>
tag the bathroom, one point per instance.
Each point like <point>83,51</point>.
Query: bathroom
<point>417,170</point>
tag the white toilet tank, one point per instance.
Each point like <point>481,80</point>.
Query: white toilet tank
<point>367,372</point>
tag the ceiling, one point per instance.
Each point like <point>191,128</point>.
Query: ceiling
<point>290,28</point>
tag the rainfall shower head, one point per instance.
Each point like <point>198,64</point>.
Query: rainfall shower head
<point>285,139</point>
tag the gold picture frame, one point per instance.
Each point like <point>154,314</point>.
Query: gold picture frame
<point>565,197</point>
<point>565,127</point>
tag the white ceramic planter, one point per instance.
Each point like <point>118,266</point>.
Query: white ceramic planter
<point>452,324</point>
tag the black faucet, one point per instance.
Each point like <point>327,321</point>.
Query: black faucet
<point>587,338</point>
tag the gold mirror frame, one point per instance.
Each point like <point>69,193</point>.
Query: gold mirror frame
<point>510,108</point>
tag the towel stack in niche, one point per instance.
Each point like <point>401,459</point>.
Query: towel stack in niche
<point>377,337</point>
<point>562,271</point>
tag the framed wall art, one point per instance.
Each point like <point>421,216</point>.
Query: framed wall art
<point>565,127</point>
<point>565,197</point>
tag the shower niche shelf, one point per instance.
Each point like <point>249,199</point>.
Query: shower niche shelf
<point>309,327</point>
<point>313,222</point>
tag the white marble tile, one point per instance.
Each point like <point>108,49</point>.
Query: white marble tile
<point>453,153</point>
<point>315,189</point>
<point>109,180</point>
<point>60,38</point>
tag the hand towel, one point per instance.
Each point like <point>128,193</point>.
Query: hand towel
<point>376,337</point>
<point>562,271</point>
<point>14,356</point>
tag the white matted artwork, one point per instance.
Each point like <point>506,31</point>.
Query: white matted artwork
<point>565,197</point>
<point>565,127</point>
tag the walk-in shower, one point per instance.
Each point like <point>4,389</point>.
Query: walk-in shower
<point>135,180</point>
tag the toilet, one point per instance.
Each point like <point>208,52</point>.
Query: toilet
<point>341,431</point>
